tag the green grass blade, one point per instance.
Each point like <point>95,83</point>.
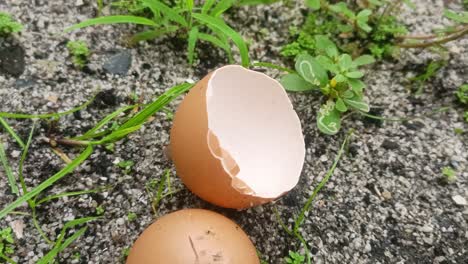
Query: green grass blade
<point>8,171</point>
<point>72,238</point>
<point>322,183</point>
<point>68,194</point>
<point>192,41</point>
<point>104,121</point>
<point>47,183</point>
<point>189,4</point>
<point>59,246</point>
<point>213,22</point>
<point>157,105</point>
<point>169,13</point>
<point>12,132</point>
<point>207,6</point>
<point>116,135</point>
<point>221,7</point>
<point>152,34</point>
<point>23,158</point>
<point>112,20</point>
<point>272,66</point>
<point>214,40</point>
<point>42,116</point>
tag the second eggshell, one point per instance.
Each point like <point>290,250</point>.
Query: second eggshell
<point>236,140</point>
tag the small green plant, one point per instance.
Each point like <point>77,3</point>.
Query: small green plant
<point>295,258</point>
<point>184,18</point>
<point>462,94</point>
<point>357,28</point>
<point>8,25</point>
<point>158,189</point>
<point>79,52</point>
<point>131,216</point>
<point>126,165</point>
<point>367,27</point>
<point>431,70</point>
<point>449,174</point>
<point>336,76</point>
<point>6,244</point>
<point>125,252</point>
<point>100,210</point>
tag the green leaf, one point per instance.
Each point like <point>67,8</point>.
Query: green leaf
<point>324,44</point>
<point>365,13</point>
<point>311,70</point>
<point>219,24</point>
<point>313,4</point>
<point>169,13</point>
<point>45,184</point>
<point>327,64</point>
<point>457,17</point>
<point>345,61</point>
<point>364,26</point>
<point>294,83</point>
<point>221,7</point>
<point>357,103</point>
<point>328,119</point>
<point>356,85</point>
<point>340,78</point>
<point>354,74</point>
<point>363,60</point>
<point>347,94</point>
<point>112,20</point>
<point>192,41</point>
<point>342,8</point>
<point>340,105</point>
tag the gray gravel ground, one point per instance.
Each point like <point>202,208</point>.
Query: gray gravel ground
<point>386,202</point>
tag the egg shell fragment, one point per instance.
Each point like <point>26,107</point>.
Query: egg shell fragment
<point>195,236</point>
<point>236,140</point>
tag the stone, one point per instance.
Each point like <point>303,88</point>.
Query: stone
<point>118,63</point>
<point>12,60</point>
<point>459,200</point>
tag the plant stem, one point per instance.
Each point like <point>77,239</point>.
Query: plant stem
<point>449,38</point>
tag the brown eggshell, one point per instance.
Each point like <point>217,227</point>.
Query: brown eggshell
<point>236,141</point>
<point>193,236</point>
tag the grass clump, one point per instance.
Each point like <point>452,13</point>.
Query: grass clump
<point>186,19</point>
<point>337,76</point>
<point>8,25</point>
<point>79,52</point>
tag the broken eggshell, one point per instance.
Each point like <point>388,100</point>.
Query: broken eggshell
<point>193,236</point>
<point>236,140</point>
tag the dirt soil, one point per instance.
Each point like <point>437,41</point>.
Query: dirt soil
<point>386,202</point>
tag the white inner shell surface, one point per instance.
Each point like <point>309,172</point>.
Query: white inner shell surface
<point>255,123</point>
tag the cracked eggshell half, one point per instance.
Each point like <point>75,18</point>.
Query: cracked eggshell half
<point>193,236</point>
<point>236,140</point>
